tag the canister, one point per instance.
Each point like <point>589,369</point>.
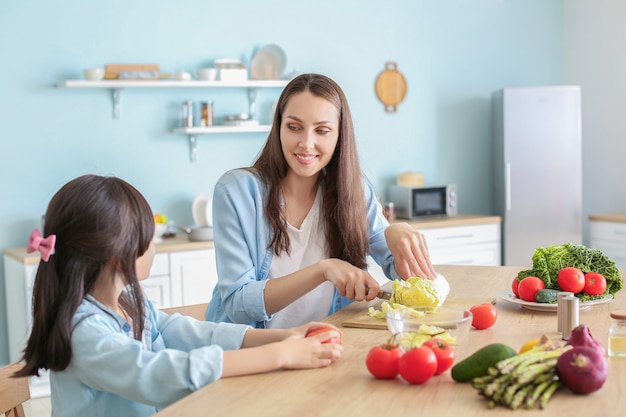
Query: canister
<point>206,113</point>
<point>187,114</point>
<point>617,334</point>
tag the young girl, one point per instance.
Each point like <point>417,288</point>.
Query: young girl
<point>293,232</point>
<point>110,352</point>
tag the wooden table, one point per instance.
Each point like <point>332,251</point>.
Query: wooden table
<point>347,389</point>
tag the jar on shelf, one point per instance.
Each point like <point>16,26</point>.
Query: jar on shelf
<point>187,114</point>
<point>206,113</point>
<point>617,334</point>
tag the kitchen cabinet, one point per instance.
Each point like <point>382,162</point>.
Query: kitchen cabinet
<point>607,232</point>
<point>117,86</point>
<point>182,273</point>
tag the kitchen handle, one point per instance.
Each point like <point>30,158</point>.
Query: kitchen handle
<point>507,186</point>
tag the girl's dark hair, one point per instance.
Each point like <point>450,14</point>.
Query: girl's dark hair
<point>100,223</point>
<point>344,210</point>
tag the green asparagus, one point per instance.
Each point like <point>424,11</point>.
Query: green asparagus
<point>527,379</point>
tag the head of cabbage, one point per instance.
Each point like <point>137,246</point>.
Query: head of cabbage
<point>416,291</point>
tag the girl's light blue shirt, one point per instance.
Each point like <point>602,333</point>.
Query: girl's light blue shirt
<point>242,235</point>
<point>113,374</point>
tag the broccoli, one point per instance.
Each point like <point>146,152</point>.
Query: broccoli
<point>547,262</point>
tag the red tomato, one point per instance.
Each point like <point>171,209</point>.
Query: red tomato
<point>382,360</point>
<point>444,352</point>
<point>571,279</point>
<point>595,284</point>
<point>418,365</point>
<point>528,288</point>
<point>514,286</point>
<point>320,330</point>
<point>485,315</point>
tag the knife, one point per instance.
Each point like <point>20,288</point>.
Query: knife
<point>385,295</point>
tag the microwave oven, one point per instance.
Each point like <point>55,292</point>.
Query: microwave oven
<point>414,202</point>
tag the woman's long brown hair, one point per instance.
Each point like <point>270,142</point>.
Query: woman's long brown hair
<point>98,222</point>
<point>344,210</point>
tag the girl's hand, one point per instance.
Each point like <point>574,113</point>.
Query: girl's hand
<point>409,250</point>
<point>309,352</point>
<point>352,282</point>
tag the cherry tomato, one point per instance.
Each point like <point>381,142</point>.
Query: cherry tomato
<point>571,279</point>
<point>485,315</point>
<point>444,352</point>
<point>514,286</point>
<point>382,360</point>
<point>595,284</point>
<point>528,288</point>
<point>320,330</point>
<point>418,365</point>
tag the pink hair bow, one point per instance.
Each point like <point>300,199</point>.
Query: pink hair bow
<point>44,246</point>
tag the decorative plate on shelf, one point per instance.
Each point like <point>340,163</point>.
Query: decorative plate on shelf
<point>508,295</point>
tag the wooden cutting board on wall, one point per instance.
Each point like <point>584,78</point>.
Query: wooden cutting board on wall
<point>391,87</point>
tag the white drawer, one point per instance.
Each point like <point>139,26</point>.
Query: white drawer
<point>160,265</point>
<point>461,235</point>
<point>599,230</point>
<point>479,254</point>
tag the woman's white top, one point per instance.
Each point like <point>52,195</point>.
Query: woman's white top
<point>308,246</point>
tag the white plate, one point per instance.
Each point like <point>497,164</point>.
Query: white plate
<point>202,210</point>
<point>268,63</point>
<point>508,295</point>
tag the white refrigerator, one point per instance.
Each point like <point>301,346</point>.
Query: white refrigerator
<point>538,169</point>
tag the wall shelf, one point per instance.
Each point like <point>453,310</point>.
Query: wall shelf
<point>116,87</point>
<point>192,132</point>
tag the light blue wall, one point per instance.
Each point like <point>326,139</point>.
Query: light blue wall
<point>453,53</point>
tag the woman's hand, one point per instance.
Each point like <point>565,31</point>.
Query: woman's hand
<point>351,282</point>
<point>409,250</point>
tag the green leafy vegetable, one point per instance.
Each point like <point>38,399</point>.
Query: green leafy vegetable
<point>547,262</point>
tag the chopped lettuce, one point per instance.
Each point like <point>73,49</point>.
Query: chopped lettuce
<point>415,291</point>
<point>548,261</point>
<point>386,307</point>
<point>410,340</point>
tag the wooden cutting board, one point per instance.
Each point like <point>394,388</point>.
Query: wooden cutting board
<point>363,320</point>
<point>112,71</point>
<point>391,87</point>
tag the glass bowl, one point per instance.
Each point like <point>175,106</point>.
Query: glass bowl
<point>413,327</point>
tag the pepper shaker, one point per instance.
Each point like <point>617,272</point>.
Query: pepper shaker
<point>559,308</point>
<point>570,315</point>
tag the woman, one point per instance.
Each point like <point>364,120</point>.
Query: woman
<point>293,232</point>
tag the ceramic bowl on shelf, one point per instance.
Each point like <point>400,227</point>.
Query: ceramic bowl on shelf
<point>93,74</point>
<point>415,326</point>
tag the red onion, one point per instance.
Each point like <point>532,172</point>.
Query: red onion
<point>582,369</point>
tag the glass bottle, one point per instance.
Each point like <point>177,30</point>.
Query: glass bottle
<point>187,114</point>
<point>206,113</point>
<point>617,334</point>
